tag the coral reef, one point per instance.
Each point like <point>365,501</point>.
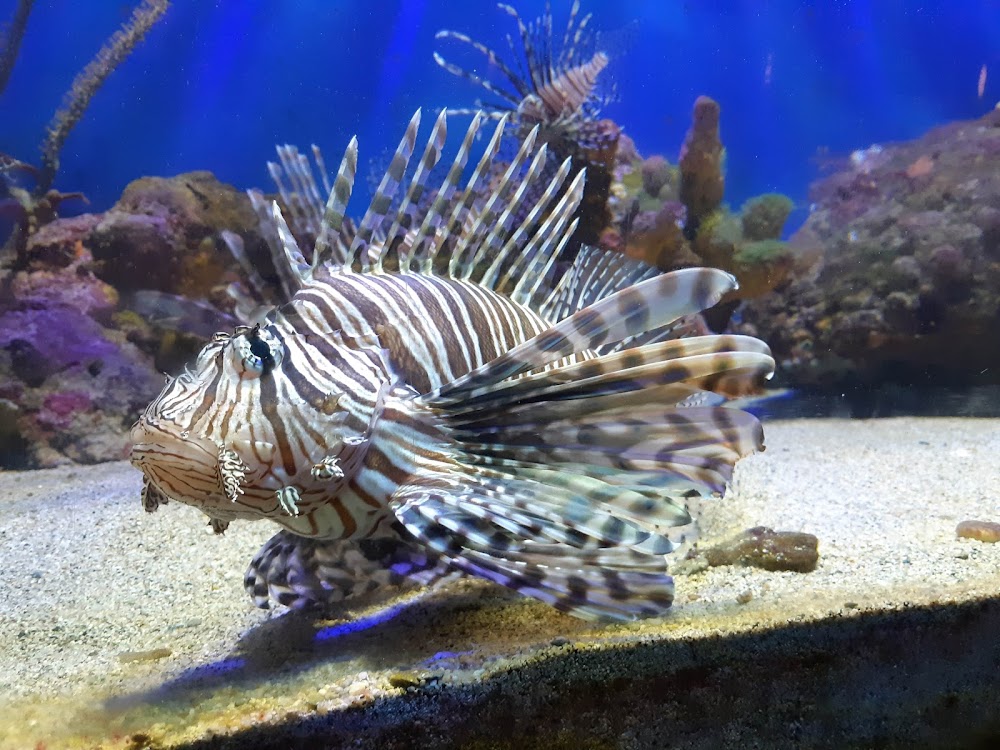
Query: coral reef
<point>672,216</point>
<point>71,384</point>
<point>104,303</point>
<point>897,269</point>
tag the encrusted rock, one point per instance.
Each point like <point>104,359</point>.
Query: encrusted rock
<point>764,216</point>
<point>897,273</point>
<point>765,548</point>
<point>702,182</point>
<point>162,234</point>
<point>656,174</point>
<point>982,531</point>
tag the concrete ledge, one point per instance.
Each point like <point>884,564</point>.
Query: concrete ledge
<point>917,678</point>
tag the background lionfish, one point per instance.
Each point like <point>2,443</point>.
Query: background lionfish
<point>426,404</point>
<point>553,87</point>
<point>554,90</point>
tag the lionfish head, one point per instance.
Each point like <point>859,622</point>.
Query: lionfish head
<point>223,438</point>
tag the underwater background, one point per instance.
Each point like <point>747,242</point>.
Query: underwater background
<point>219,83</point>
<point>840,159</point>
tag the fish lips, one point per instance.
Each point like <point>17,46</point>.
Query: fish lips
<point>183,466</point>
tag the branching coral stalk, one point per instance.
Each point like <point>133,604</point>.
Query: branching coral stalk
<point>10,43</point>
<point>90,79</point>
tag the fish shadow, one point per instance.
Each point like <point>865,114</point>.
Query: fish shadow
<point>400,634</point>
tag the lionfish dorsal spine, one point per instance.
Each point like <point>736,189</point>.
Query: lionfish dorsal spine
<point>237,248</point>
<point>380,204</point>
<point>541,252</point>
<point>572,51</point>
<point>336,206</point>
<point>407,212</point>
<point>502,229</point>
<point>566,51</point>
<point>522,258</point>
<point>460,210</point>
<point>498,240</point>
<point>495,205</point>
<point>294,259</point>
<point>530,290</point>
<point>321,166</point>
<point>529,48</point>
<point>304,198</point>
<point>426,242</point>
<point>287,277</point>
<point>472,77</point>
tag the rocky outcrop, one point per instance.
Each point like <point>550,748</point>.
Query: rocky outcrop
<point>898,274</point>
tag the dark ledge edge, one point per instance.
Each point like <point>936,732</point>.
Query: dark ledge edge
<point>918,677</point>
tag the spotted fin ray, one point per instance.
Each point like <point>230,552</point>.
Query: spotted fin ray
<point>646,306</point>
<point>594,576</point>
<point>571,478</point>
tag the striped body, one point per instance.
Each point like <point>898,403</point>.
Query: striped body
<point>399,335</point>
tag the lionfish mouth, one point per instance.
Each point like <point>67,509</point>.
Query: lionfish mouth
<point>181,466</point>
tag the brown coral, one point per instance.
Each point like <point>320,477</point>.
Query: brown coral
<point>162,234</point>
<point>702,182</point>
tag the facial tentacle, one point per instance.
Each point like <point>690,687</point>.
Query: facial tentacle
<point>232,473</point>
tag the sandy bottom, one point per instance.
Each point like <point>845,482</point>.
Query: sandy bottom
<point>122,629</point>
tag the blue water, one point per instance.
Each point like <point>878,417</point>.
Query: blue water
<point>216,84</point>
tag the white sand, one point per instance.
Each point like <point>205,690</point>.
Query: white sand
<point>86,576</point>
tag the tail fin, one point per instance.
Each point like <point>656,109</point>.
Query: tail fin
<point>571,484</point>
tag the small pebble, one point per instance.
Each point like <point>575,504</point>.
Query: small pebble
<point>560,640</point>
<point>405,679</point>
<point>154,654</point>
<point>744,597</point>
<point>982,531</point>
<point>765,548</point>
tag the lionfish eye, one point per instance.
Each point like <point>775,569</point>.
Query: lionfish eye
<point>256,352</point>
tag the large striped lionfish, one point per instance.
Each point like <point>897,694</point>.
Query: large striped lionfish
<point>430,402</point>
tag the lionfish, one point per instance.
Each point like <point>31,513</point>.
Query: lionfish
<point>431,403</point>
<point>555,91</point>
